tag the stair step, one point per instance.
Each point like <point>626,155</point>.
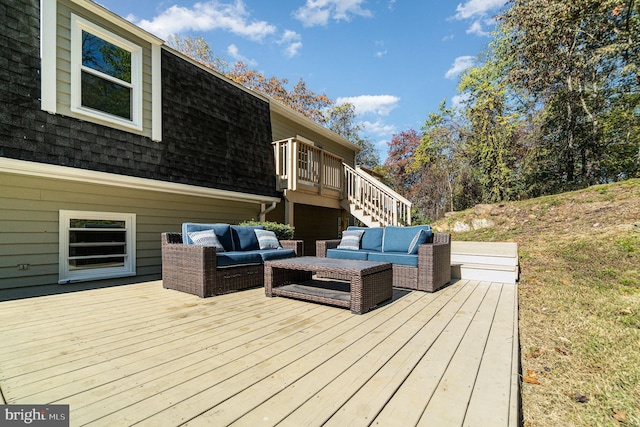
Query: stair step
<point>485,272</point>
<point>457,258</point>
<point>487,261</point>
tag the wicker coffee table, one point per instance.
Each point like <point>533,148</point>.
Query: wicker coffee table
<point>357,285</point>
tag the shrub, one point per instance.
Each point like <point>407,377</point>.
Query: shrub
<point>283,231</point>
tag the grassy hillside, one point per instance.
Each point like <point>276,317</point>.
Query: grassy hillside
<point>579,301</point>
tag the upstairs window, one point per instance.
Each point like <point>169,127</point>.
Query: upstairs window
<point>106,75</point>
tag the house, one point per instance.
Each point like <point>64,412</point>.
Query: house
<point>108,137</point>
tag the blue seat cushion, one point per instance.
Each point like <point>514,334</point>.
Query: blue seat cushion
<point>347,254</point>
<point>401,258</point>
<point>398,239</point>
<point>244,237</point>
<point>223,232</point>
<point>371,239</point>
<point>227,259</point>
<point>271,254</point>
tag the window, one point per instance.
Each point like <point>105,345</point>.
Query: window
<point>96,245</point>
<point>106,75</point>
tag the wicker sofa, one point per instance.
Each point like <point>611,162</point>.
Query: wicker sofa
<point>421,259</point>
<point>206,271</point>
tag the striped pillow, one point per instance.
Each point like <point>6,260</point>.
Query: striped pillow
<point>206,238</point>
<point>267,239</point>
<point>351,239</point>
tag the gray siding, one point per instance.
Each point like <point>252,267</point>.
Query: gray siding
<point>29,227</point>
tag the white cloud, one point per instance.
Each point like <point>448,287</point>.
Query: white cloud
<point>460,64</point>
<point>292,42</point>
<point>378,128</point>
<point>376,104</point>
<point>381,49</point>
<point>207,16</point>
<point>478,8</point>
<point>476,28</point>
<point>318,12</point>
<point>234,52</point>
<point>458,100</point>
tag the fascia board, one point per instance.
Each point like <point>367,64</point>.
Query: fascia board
<point>43,170</point>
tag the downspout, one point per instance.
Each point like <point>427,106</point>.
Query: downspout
<point>264,210</point>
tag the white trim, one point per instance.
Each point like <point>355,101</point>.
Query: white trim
<point>156,93</point>
<point>22,167</point>
<point>116,20</point>
<point>48,55</point>
<point>65,275</point>
<point>78,25</point>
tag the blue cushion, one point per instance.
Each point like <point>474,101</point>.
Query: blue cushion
<point>347,254</point>
<point>244,237</point>
<point>267,239</point>
<point>223,232</point>
<point>226,259</point>
<point>401,258</point>
<point>398,239</point>
<point>270,254</point>
<point>351,239</point>
<point>419,239</point>
<point>371,239</point>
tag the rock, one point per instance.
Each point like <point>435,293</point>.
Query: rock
<point>482,209</point>
<point>481,223</point>
<point>460,226</point>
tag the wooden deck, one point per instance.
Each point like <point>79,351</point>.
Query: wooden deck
<point>158,357</point>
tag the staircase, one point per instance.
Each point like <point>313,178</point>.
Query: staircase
<point>372,202</point>
<point>485,261</point>
<point>310,175</point>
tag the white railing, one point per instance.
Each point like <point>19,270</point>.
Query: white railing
<point>375,199</point>
<point>300,162</point>
<point>301,166</point>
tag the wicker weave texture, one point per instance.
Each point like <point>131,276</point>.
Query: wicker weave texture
<point>434,264</point>
<point>370,283</point>
<point>193,268</point>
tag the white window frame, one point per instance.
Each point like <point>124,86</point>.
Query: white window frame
<point>68,276</point>
<point>78,25</point>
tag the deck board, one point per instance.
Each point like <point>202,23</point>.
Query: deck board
<point>143,354</point>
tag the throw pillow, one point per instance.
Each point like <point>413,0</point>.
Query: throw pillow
<point>206,238</point>
<point>351,239</point>
<point>420,238</point>
<point>267,239</point>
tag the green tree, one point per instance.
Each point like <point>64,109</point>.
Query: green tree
<point>342,120</point>
<point>445,179</point>
<point>578,61</point>
<point>489,138</point>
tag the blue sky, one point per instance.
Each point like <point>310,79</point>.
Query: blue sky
<point>395,60</point>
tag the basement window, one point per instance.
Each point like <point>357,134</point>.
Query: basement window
<point>96,245</point>
<point>106,75</point>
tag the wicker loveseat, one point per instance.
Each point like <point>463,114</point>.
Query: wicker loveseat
<point>421,259</point>
<point>205,270</point>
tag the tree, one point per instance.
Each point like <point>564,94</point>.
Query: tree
<point>299,98</point>
<point>199,50</point>
<point>440,159</point>
<point>342,120</point>
<point>578,61</point>
<point>489,140</point>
